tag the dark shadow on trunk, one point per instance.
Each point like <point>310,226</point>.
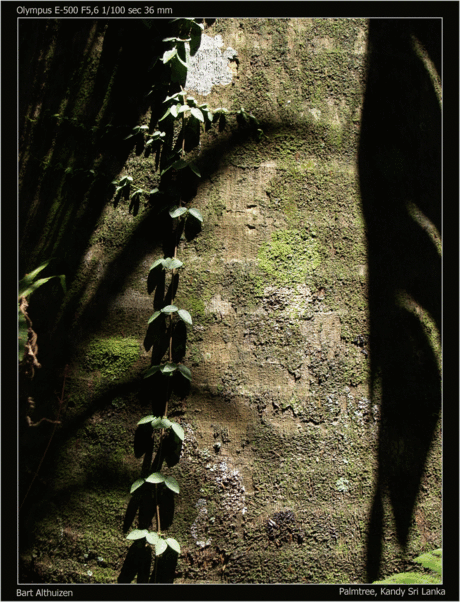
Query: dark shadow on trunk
<point>400,180</point>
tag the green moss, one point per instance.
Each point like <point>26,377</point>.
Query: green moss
<point>289,257</point>
<point>111,357</point>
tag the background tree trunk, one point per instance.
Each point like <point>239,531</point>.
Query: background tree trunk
<point>312,450</point>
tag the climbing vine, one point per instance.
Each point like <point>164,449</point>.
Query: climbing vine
<point>180,126</point>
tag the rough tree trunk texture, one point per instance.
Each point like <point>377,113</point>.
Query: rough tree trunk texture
<point>313,445</point>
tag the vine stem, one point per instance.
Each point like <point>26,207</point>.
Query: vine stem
<point>165,413</point>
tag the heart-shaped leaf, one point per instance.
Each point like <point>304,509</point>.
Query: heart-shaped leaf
<point>154,317</point>
<point>152,538</point>
<point>196,214</point>
<point>173,544</point>
<point>137,534</point>
<point>180,164</point>
<point>176,95</point>
<point>185,372</point>
<point>169,309</point>
<point>172,484</point>
<point>197,113</point>
<point>160,546</point>
<point>195,169</point>
<point>183,313</point>
<point>136,485</point>
<point>146,419</point>
<point>155,478</point>
<point>172,263</point>
<point>156,263</point>
<point>165,115</point>
<point>177,211</point>
<point>178,430</point>
<point>168,55</point>
<point>182,62</point>
<point>151,371</point>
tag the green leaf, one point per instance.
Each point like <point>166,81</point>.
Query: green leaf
<point>154,191</point>
<point>165,115</point>
<point>169,367</point>
<point>183,313</point>
<point>169,309</point>
<point>179,164</point>
<point>156,264</point>
<point>183,63</point>
<point>152,538</point>
<point>177,211</point>
<point>196,214</point>
<point>156,422</point>
<point>176,40</point>
<point>155,478</point>
<point>168,55</point>
<point>172,484</point>
<point>154,316</point>
<point>165,423</point>
<point>151,371</point>
<point>178,430</point>
<point>28,278</point>
<point>33,287</point>
<point>176,95</point>
<point>173,544</point>
<point>195,24</point>
<point>62,279</point>
<point>160,546</point>
<point>172,263</point>
<point>175,111</point>
<point>185,372</point>
<point>195,169</point>
<point>146,419</point>
<point>137,534</point>
<point>157,134</point>
<point>136,485</point>
<point>197,114</point>
<point>183,109</point>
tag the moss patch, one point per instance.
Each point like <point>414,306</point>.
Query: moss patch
<point>289,257</point>
<point>111,357</point>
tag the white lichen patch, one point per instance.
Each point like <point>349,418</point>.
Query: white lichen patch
<point>231,485</point>
<point>209,66</point>
<point>200,526</point>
